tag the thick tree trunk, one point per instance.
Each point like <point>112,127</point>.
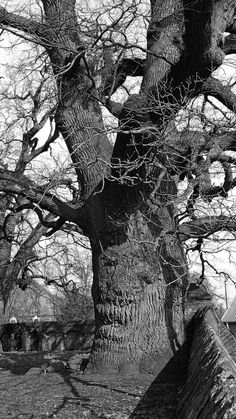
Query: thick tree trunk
<point>138,262</point>
<point>139,281</point>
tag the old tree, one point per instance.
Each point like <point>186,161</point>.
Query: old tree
<point>126,200</point>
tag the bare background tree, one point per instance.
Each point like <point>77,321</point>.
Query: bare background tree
<point>28,252</point>
<point>77,303</point>
<point>125,198</point>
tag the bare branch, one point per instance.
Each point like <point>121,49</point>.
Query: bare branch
<point>51,138</point>
<point>29,26</point>
<point>48,222</point>
<point>116,77</point>
<point>229,44</point>
<point>221,92</point>
<point>231,27</point>
<point>114,107</point>
<point>206,226</point>
<point>22,185</point>
<point>30,142</point>
<point>220,142</point>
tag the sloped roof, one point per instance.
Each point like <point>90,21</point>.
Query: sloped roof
<point>230,314</point>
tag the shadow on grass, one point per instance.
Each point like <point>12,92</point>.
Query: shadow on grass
<point>91,383</point>
<point>75,399</point>
<point>98,403</point>
<point>158,402</point>
<point>78,400</point>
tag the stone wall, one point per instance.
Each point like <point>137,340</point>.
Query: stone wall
<point>47,336</point>
<point>210,389</point>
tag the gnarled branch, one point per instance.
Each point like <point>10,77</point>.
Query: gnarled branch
<point>224,94</point>
<point>117,75</point>
<point>22,185</point>
<point>206,226</point>
<point>29,26</point>
<point>229,44</point>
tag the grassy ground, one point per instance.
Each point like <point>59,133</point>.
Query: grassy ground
<point>63,395</point>
<point>73,395</point>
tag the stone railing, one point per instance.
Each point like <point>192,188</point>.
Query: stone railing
<point>47,336</point>
<point>210,388</point>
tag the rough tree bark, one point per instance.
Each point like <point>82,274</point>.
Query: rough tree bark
<point>139,276</point>
<point>127,201</point>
